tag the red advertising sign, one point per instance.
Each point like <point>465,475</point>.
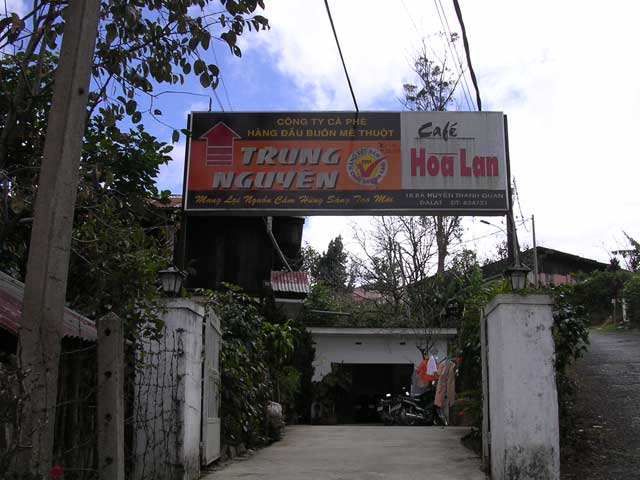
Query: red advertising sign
<point>346,163</point>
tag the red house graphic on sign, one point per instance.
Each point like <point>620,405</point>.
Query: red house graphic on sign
<point>220,140</point>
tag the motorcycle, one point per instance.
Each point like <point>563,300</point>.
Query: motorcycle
<point>387,408</point>
<point>408,410</point>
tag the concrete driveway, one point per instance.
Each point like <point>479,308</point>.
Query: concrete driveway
<point>360,452</point>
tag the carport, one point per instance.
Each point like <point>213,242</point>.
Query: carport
<point>370,382</point>
<point>379,361</point>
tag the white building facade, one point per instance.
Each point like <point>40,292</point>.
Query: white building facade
<point>373,346</point>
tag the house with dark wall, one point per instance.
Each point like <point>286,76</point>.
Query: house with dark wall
<point>238,250</point>
<point>554,267</point>
<point>235,249</point>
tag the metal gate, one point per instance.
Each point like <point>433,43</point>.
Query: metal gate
<point>210,445</point>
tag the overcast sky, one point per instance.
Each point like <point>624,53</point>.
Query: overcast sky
<point>566,73</point>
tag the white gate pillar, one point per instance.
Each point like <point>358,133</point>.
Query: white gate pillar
<point>168,396</point>
<point>522,395</point>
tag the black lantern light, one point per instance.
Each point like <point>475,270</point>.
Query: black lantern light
<point>172,280</point>
<point>517,276</point>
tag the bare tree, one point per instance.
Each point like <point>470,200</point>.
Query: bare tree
<point>397,261</point>
<point>434,91</point>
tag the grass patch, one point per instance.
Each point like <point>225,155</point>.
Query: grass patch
<point>609,327</point>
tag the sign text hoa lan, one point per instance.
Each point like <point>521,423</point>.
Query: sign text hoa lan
<point>438,164</point>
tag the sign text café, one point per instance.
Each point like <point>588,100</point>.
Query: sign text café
<point>315,163</point>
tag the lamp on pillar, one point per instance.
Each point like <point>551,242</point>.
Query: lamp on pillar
<point>517,276</point>
<point>517,273</point>
<point>172,279</point>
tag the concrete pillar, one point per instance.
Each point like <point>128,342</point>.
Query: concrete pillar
<point>110,408</point>
<point>522,395</point>
<point>168,396</point>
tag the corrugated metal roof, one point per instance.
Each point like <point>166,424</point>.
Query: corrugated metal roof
<point>11,292</point>
<point>174,202</point>
<point>290,282</point>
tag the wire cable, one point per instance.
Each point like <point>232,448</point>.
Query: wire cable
<point>224,86</point>
<point>422,37</point>
<point>497,232</point>
<point>454,52</point>
<point>515,188</point>
<point>353,96</point>
<point>465,41</point>
<point>447,41</point>
<point>415,27</point>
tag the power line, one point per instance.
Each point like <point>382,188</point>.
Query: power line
<point>448,44</point>
<point>467,51</point>
<point>353,96</point>
<point>515,188</point>
<point>497,232</point>
<point>454,52</point>
<point>224,86</point>
<point>411,19</point>
<point>469,102</point>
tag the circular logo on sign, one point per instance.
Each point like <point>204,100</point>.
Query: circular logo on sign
<point>367,166</point>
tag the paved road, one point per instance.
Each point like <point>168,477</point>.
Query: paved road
<point>608,409</point>
<point>360,452</point>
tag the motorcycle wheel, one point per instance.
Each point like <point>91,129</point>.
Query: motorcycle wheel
<point>386,419</point>
<point>406,420</point>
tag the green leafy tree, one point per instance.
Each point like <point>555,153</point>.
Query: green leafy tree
<point>139,43</point>
<point>596,292</point>
<point>631,295</point>
<point>321,299</point>
<point>331,267</point>
<point>143,48</point>
<point>631,255</point>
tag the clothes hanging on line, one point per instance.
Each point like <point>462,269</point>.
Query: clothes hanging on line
<point>427,371</point>
<point>446,388</point>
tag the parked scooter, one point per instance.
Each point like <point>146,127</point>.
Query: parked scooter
<point>408,410</point>
<point>388,406</point>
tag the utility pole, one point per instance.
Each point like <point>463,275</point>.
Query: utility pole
<point>512,243</point>
<point>535,252</point>
<point>48,264</point>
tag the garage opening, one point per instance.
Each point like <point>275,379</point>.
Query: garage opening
<point>370,382</point>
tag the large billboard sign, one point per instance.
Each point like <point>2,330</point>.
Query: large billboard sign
<point>343,163</point>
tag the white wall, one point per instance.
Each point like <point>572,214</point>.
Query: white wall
<point>335,345</point>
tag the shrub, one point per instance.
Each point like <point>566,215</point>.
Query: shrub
<point>263,357</point>
<point>596,291</point>
<point>631,295</point>
<point>245,384</point>
<point>570,327</point>
<point>571,337</point>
